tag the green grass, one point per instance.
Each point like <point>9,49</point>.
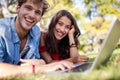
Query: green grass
<point>108,71</point>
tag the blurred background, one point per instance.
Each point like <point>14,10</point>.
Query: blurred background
<point>93,17</point>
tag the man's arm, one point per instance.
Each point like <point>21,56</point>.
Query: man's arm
<point>13,70</point>
<point>7,70</point>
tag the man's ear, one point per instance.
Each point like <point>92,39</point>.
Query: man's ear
<point>17,8</point>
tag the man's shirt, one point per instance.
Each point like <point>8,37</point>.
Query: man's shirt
<point>10,42</point>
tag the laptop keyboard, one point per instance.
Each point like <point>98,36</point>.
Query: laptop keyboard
<point>81,67</point>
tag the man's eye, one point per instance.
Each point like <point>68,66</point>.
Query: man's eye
<point>28,8</point>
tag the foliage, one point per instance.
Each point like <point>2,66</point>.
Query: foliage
<point>55,6</point>
<point>106,6</point>
<point>94,28</point>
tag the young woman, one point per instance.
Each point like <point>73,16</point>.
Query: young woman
<point>60,42</point>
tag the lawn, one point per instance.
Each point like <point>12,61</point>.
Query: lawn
<point>108,71</point>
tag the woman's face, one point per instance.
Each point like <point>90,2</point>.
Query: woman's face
<point>62,27</point>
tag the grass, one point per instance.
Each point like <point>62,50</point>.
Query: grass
<point>108,71</point>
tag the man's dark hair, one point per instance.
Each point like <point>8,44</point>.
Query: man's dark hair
<point>41,2</point>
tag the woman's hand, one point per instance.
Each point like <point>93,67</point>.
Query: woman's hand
<point>72,30</point>
<point>82,58</point>
<point>78,59</point>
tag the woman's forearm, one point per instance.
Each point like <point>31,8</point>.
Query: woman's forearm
<point>73,47</point>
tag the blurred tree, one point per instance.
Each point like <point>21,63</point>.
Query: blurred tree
<point>55,6</point>
<point>92,20</point>
<point>98,25</point>
<point>105,7</point>
<point>4,8</point>
<point>8,8</point>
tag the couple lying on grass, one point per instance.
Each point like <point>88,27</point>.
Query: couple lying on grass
<point>20,38</point>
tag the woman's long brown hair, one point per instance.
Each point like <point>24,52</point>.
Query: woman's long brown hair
<point>61,48</point>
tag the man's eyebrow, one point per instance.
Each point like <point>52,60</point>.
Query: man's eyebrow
<point>29,6</point>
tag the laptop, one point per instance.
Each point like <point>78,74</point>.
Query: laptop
<point>105,52</point>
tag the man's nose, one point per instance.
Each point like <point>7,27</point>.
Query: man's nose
<point>32,14</point>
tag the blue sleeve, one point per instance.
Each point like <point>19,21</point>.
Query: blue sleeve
<point>37,49</point>
<point>2,49</point>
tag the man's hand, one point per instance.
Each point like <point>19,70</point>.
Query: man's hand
<point>61,65</point>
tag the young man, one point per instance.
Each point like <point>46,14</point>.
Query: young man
<point>19,40</point>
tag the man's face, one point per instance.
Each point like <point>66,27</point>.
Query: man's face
<point>28,15</point>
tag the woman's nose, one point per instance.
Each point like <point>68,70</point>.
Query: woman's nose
<point>63,28</point>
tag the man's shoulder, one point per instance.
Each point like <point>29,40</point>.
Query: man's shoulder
<point>36,29</point>
<point>4,22</point>
<point>5,25</point>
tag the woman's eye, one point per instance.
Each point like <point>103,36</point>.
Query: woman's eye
<point>68,27</point>
<point>60,24</point>
<point>38,13</point>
